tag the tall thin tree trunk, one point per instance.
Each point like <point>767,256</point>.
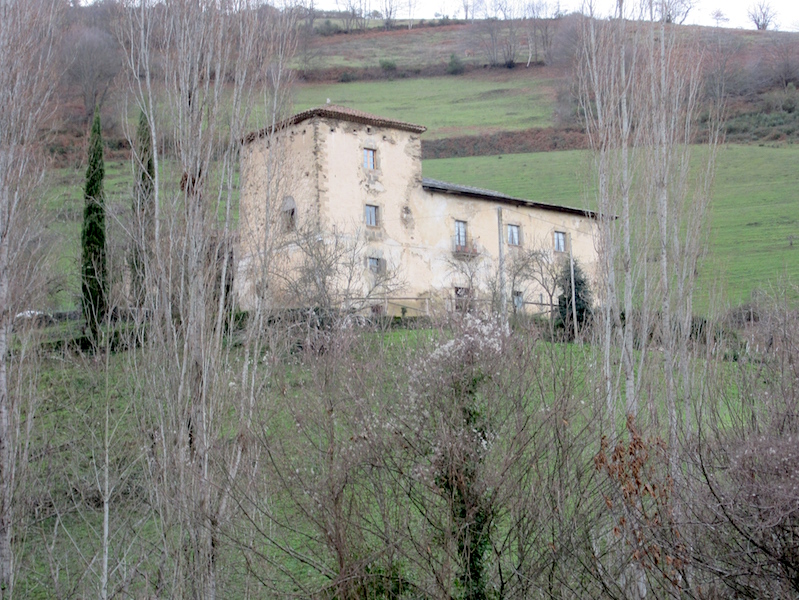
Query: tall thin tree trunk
<point>27,37</point>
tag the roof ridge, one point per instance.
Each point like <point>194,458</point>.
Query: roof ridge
<point>456,188</point>
<point>336,111</point>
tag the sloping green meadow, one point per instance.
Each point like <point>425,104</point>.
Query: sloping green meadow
<point>447,106</point>
<point>754,219</point>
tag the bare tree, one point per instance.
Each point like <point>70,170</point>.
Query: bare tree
<point>94,61</point>
<point>307,51</point>
<point>675,11</point>
<point>740,516</point>
<point>411,10</point>
<point>390,8</point>
<point>347,10</point>
<point>27,37</point>
<point>762,15</point>
<point>90,513</point>
<point>336,272</point>
<point>354,12</point>
<point>497,32</point>
<point>641,93</point>
<point>533,271</point>
<point>467,9</point>
<point>783,62</point>
<point>511,42</point>
<point>606,78</point>
<point>214,64</point>
<point>541,21</point>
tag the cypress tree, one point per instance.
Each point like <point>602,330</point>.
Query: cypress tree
<point>582,296</point>
<point>143,209</point>
<point>94,271</point>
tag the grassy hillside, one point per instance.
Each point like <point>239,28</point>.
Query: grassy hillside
<point>417,47</point>
<point>499,100</point>
<point>554,177</point>
<point>754,214</point>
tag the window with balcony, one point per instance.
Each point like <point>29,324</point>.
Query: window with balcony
<point>461,241</point>
<point>463,247</point>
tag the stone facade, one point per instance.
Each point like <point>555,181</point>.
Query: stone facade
<point>340,178</point>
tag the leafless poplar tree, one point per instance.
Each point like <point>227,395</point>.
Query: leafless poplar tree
<point>27,38</point>
<point>606,78</point>
<point>197,69</point>
<point>641,102</point>
<point>681,208</point>
<point>641,94</point>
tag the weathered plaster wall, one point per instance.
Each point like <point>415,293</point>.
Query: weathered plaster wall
<point>323,169</point>
<point>273,169</point>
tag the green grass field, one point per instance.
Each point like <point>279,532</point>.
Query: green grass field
<point>447,106</point>
<point>553,177</point>
<point>755,208</point>
<point>63,206</point>
<point>63,203</point>
<point>754,215</point>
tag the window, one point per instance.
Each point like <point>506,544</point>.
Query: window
<point>369,159</point>
<point>560,241</point>
<point>372,214</point>
<point>518,300</point>
<point>289,214</point>
<point>460,236</point>
<point>463,297</point>
<point>289,222</point>
<point>376,265</point>
<point>514,236</point>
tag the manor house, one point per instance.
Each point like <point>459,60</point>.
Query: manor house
<point>334,198</point>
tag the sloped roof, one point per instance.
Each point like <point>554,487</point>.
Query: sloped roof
<point>434,185</point>
<point>343,113</point>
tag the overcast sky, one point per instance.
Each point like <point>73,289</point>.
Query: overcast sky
<point>735,10</point>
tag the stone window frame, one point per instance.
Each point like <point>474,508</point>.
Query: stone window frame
<point>560,241</point>
<point>376,264</point>
<point>461,233</point>
<point>370,162</point>
<point>372,216</point>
